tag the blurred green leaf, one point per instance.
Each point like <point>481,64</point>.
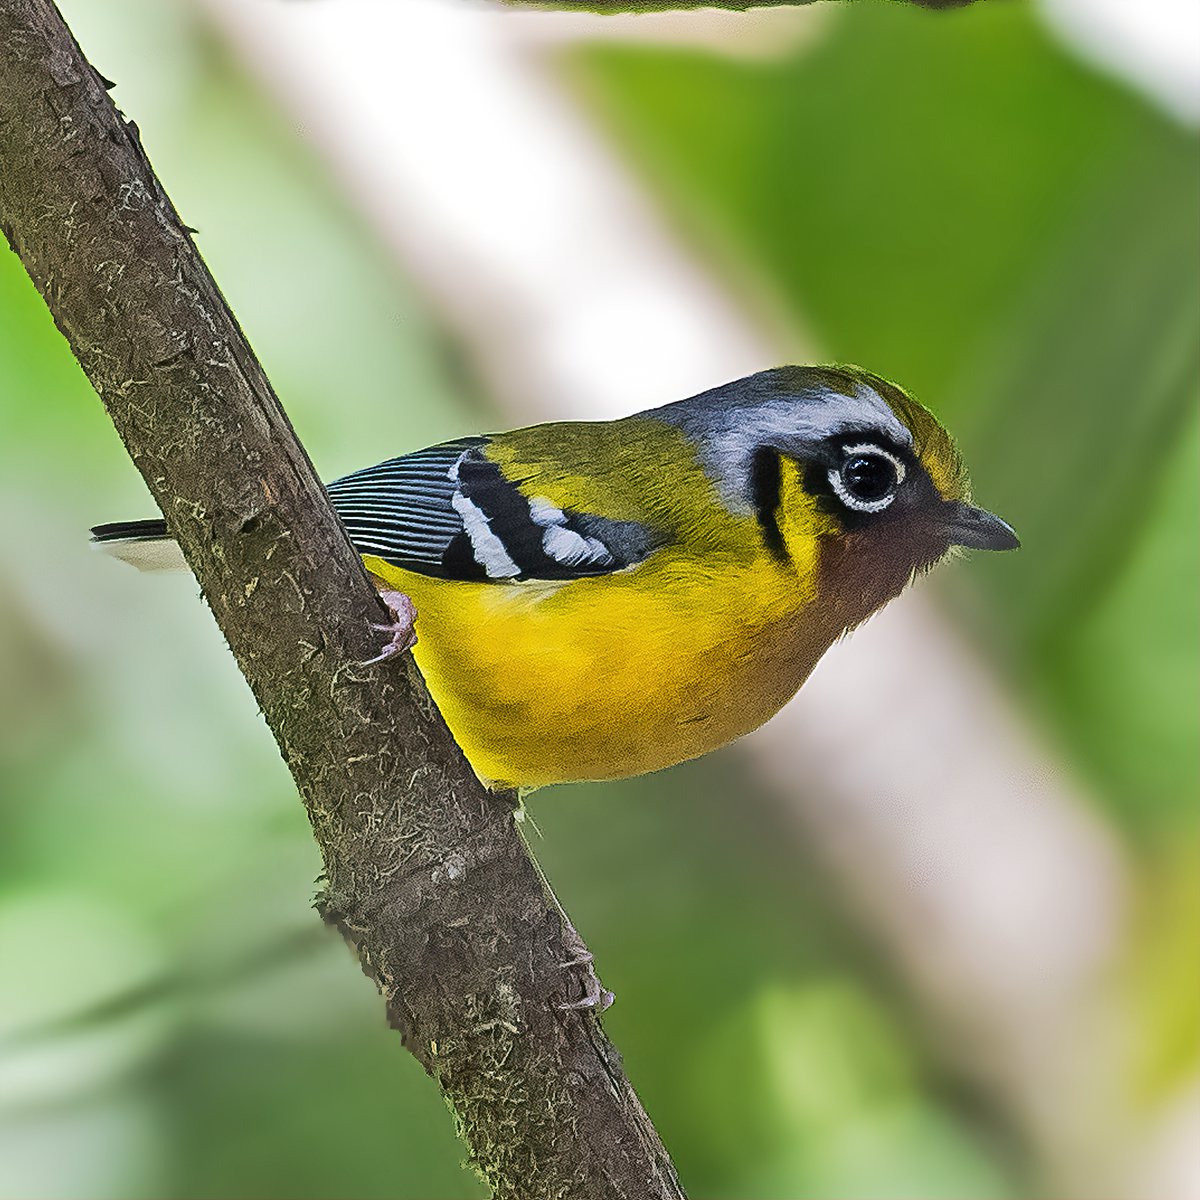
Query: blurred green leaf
<point>959,205</point>
<point>351,1115</point>
<point>894,184</point>
<point>1120,674</point>
<point>832,1103</point>
<point>70,1020</point>
<point>108,1145</point>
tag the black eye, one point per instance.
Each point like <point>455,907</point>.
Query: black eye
<point>867,478</point>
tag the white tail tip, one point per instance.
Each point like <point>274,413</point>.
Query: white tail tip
<point>147,554</point>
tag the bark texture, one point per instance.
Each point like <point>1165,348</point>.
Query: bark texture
<point>648,6</point>
<point>425,872</point>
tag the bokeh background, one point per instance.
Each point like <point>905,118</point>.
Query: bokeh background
<point>934,932</point>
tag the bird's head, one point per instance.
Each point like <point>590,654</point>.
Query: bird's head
<point>841,457</point>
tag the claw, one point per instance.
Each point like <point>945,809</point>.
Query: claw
<point>595,994</point>
<point>404,636</point>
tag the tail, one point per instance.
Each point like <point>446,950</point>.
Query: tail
<point>144,544</point>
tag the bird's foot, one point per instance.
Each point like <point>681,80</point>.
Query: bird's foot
<point>595,994</point>
<point>401,627</point>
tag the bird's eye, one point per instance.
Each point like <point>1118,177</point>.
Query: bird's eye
<point>867,478</point>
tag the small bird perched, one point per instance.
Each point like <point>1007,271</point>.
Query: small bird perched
<point>601,599</point>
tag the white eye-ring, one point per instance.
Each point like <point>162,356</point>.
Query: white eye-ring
<point>867,478</point>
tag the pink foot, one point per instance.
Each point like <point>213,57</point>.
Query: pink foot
<point>404,636</point>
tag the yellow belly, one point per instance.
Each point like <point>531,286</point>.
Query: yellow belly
<point>614,675</point>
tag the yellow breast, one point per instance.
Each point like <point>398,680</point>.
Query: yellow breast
<point>614,675</point>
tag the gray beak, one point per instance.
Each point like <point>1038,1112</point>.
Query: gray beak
<point>977,528</point>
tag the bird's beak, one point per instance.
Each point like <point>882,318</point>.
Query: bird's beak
<point>977,528</point>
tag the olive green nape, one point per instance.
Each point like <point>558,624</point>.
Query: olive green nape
<point>935,447</point>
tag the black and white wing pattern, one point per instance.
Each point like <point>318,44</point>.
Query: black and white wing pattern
<point>448,511</point>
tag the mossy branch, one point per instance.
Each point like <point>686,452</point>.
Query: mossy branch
<point>425,873</point>
<point>602,7</point>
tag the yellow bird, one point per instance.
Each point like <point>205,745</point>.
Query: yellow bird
<point>601,599</point>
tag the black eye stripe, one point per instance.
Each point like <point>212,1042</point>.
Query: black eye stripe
<point>765,484</point>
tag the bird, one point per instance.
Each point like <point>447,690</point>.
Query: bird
<point>593,600</point>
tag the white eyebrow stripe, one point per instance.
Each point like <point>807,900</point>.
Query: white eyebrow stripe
<point>888,422</point>
<point>727,437</point>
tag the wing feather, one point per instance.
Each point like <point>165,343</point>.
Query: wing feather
<point>449,511</point>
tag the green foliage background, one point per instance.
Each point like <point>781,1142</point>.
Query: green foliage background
<point>948,198</point>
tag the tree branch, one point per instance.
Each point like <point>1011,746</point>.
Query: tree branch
<point>425,872</point>
<point>602,7</point>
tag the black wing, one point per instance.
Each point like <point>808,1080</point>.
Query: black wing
<point>448,511</point>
